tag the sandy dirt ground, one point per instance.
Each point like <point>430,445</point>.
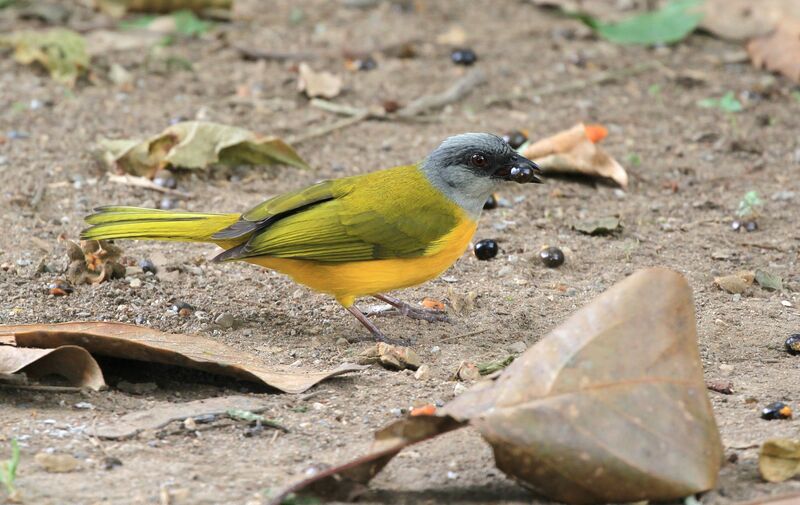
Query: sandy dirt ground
<point>689,168</point>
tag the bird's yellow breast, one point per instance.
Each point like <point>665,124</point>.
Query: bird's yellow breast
<point>346,281</point>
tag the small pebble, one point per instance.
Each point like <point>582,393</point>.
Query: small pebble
<point>552,257</point>
<point>459,388</point>
<point>423,373</point>
<point>165,179</point>
<point>793,344</point>
<point>167,203</point>
<point>148,266</point>
<point>777,410</point>
<point>136,283</point>
<point>225,320</point>
<point>515,139</point>
<point>110,462</point>
<point>464,56</point>
<point>367,64</point>
<point>486,249</point>
<point>83,406</point>
<point>518,347</point>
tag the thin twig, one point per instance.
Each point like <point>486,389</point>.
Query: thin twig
<point>464,335</point>
<point>341,109</point>
<point>144,182</point>
<point>255,54</point>
<point>454,93</point>
<point>563,87</point>
<point>769,247</point>
<point>43,387</point>
<point>324,130</point>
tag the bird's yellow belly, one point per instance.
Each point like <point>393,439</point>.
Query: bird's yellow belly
<point>346,281</point>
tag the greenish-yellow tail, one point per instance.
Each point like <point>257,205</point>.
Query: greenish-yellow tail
<point>153,224</point>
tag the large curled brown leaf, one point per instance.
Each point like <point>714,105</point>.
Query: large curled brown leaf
<point>190,351</point>
<point>780,50</point>
<point>68,361</point>
<point>611,406</point>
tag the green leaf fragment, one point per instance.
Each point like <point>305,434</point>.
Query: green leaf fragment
<point>62,52</point>
<point>728,103</point>
<point>670,24</point>
<point>493,366</point>
<point>749,204</point>
<point>769,281</point>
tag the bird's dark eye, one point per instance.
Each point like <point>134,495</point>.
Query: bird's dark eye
<point>478,160</point>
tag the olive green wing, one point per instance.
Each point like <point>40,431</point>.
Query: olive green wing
<point>380,217</point>
<point>276,208</point>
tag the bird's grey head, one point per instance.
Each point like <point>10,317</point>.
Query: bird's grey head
<point>468,167</point>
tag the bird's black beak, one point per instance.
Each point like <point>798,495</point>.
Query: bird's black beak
<point>520,170</point>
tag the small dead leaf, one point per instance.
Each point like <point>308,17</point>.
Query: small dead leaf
<point>71,362</point>
<point>779,459</point>
<point>461,303</point>
<point>196,145</point>
<point>190,351</point>
<point>467,372</point>
<point>62,52</point>
<point>390,356</point>
<point>318,84</point>
<point>588,396</point>
<point>779,51</point>
<point>576,151</point>
<point>736,283</point>
<point>769,281</point>
<point>599,226</point>
<point>743,19</point>
<point>56,463</point>
<point>93,262</point>
<point>161,415</point>
<point>454,36</point>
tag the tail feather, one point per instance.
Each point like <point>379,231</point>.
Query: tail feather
<point>154,224</point>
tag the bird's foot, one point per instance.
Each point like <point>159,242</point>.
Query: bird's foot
<point>377,335</point>
<point>405,309</point>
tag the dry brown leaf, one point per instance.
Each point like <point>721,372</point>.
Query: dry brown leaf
<point>196,145</point>
<point>159,416</point>
<point>735,283</point>
<point>779,459</point>
<point>71,362</point>
<point>743,19</point>
<point>318,84</point>
<point>190,351</point>
<point>592,413</point>
<point>575,150</point>
<point>93,262</point>
<point>779,51</point>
